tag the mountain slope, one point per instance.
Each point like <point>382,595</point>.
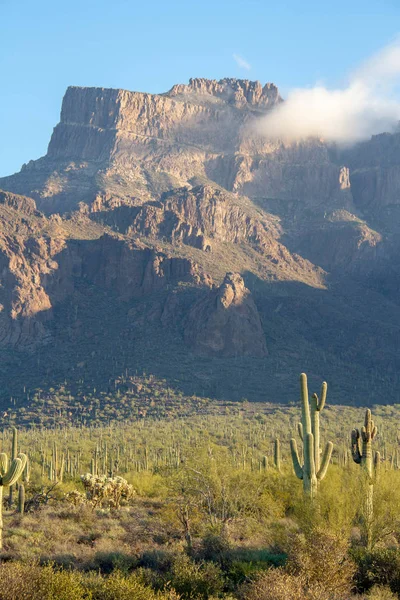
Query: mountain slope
<point>115,249</point>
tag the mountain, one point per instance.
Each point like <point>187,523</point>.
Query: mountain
<point>163,234</point>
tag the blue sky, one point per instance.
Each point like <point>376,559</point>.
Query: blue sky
<point>47,45</point>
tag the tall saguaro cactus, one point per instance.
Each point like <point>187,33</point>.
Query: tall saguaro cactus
<point>361,450</point>
<point>14,452</point>
<point>313,469</point>
<point>277,455</point>
<point>9,475</point>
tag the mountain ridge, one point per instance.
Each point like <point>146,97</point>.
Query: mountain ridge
<point>130,236</point>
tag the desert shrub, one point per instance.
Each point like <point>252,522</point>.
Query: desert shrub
<point>317,568</point>
<point>386,522</point>
<point>241,571</point>
<point>278,584</point>
<point>157,560</point>
<point>381,592</point>
<point>120,587</point>
<point>148,485</point>
<point>321,559</point>
<point>195,580</point>
<point>247,563</point>
<point>107,562</point>
<point>275,584</point>
<point>215,547</point>
<point>379,567</point>
<point>20,581</point>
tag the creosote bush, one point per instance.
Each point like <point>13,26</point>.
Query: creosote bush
<point>20,581</point>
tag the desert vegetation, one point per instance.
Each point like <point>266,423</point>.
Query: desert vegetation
<point>292,503</point>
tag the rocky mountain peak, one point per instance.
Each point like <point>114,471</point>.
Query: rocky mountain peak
<point>238,92</point>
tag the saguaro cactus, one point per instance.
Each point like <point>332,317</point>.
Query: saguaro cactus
<point>277,455</point>
<point>361,450</point>
<point>313,469</point>
<point>9,475</point>
<point>14,452</point>
<point>361,444</point>
<point>21,498</point>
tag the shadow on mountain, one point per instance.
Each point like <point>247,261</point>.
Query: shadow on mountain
<point>114,315</point>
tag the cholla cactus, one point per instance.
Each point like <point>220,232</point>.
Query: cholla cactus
<point>76,498</point>
<point>109,490</point>
<point>313,470</point>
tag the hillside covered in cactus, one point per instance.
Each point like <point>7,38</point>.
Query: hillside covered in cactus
<point>165,236</point>
<point>206,506</point>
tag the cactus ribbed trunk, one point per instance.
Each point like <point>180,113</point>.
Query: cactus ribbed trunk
<point>310,482</point>
<point>369,515</point>
<point>277,455</point>
<point>21,499</point>
<point>315,429</point>
<point>14,452</point>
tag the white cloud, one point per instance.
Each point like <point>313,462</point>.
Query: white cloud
<point>366,106</point>
<point>241,62</point>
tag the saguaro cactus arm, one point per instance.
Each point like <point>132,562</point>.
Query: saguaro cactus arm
<point>321,401</point>
<point>298,469</point>
<point>356,446</point>
<point>325,461</point>
<point>15,470</point>
<point>3,463</point>
<point>305,407</point>
<point>300,430</point>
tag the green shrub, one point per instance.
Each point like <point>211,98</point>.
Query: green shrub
<point>196,580</point>
<point>381,592</point>
<point>215,547</point>
<point>157,560</point>
<point>275,584</point>
<point>107,562</point>
<point>379,567</point>
<point>120,587</point>
<point>31,582</point>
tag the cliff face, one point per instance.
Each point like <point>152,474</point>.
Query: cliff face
<point>166,229</point>
<point>136,144</point>
<point>375,172</point>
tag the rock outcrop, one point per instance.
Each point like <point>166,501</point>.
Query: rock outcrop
<point>239,92</point>
<point>19,203</point>
<point>226,322</point>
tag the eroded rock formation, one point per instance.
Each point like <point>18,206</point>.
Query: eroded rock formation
<point>226,322</point>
